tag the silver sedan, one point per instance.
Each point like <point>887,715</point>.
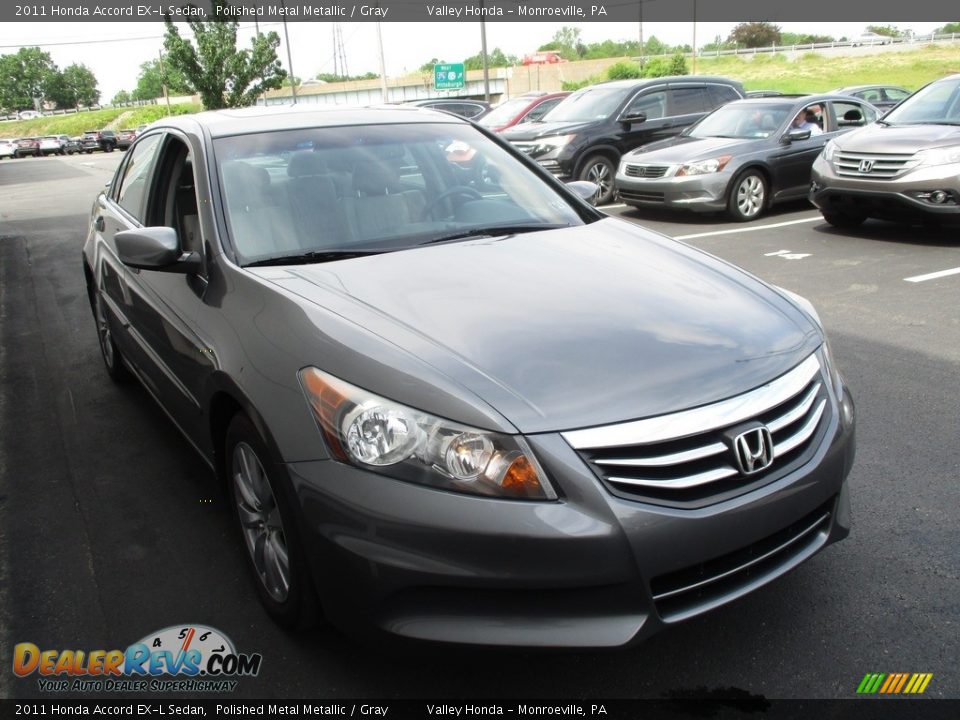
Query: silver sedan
<point>742,158</point>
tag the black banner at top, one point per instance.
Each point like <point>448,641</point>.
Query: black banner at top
<point>572,11</point>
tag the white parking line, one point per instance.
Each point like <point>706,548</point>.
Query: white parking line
<point>748,229</point>
<point>933,275</point>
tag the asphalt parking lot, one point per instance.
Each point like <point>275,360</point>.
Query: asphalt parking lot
<point>111,528</point>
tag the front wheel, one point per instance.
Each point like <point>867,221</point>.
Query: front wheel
<point>748,196</point>
<point>108,348</point>
<point>267,526</point>
<point>599,170</point>
<point>843,220</point>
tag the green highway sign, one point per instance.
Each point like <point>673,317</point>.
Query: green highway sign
<point>448,76</point>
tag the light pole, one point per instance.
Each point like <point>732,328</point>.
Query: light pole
<point>643,54</point>
<point>286,36</point>
<point>383,66</point>
<point>483,56</point>
<point>694,70</point>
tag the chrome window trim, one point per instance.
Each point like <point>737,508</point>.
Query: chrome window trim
<point>701,419</point>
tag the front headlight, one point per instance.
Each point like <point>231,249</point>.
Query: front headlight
<point>939,156</point>
<point>704,167</point>
<point>386,437</point>
<point>552,144</point>
<point>829,150</point>
<point>833,373</point>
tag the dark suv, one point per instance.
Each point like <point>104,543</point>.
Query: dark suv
<point>584,136</point>
<point>105,140</point>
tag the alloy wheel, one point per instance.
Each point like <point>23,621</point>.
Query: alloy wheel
<point>261,523</point>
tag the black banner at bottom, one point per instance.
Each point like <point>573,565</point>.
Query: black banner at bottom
<point>364,709</point>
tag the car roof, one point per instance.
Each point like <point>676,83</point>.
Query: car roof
<point>241,121</point>
<point>667,79</point>
<point>792,100</point>
<point>856,88</point>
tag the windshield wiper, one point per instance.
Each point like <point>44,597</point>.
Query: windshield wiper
<point>311,257</point>
<point>493,231</point>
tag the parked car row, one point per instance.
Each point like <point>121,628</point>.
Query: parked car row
<point>106,140</point>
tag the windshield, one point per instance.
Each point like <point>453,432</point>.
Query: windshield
<point>742,121</point>
<point>938,103</point>
<point>594,103</point>
<point>504,112</point>
<point>376,188</point>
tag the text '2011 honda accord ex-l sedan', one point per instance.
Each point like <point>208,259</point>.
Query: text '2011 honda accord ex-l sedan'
<point>450,399</point>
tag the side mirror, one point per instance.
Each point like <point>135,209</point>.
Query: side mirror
<point>583,189</point>
<point>155,248</point>
<point>637,117</point>
<point>795,134</point>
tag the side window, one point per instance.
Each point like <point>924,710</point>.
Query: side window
<point>850,114</point>
<point>652,104</point>
<point>721,95</point>
<point>687,100</point>
<point>136,176</point>
<point>540,110</point>
<point>896,95</point>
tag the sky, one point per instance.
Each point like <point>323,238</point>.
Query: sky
<point>115,50</point>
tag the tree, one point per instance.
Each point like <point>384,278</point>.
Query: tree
<point>121,98</point>
<point>885,30</point>
<point>948,29</point>
<point>678,65</point>
<point>151,78</point>
<point>496,58</point>
<point>82,84</point>
<point>623,71</point>
<point>223,75</point>
<point>755,34</point>
<point>567,42</point>
<point>23,76</point>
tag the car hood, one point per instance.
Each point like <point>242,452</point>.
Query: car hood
<point>535,131</point>
<point>683,149</point>
<point>899,138</point>
<point>570,328</point>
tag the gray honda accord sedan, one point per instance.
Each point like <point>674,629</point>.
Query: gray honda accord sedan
<point>452,401</point>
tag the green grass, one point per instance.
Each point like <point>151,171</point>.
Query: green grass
<point>77,123</point>
<point>812,72</point>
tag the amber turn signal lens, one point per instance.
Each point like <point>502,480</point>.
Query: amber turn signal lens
<point>521,479</point>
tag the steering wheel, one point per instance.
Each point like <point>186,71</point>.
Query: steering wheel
<point>459,190</point>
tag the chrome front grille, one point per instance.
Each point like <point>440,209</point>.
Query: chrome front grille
<point>876,166</point>
<point>689,459</point>
<point>645,171</point>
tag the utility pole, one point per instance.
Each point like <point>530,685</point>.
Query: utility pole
<point>643,53</point>
<point>694,70</point>
<point>163,77</point>
<point>286,36</point>
<point>383,66</point>
<point>483,54</point>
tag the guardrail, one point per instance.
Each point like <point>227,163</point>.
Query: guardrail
<point>872,42</point>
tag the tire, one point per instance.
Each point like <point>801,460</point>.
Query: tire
<point>748,196</point>
<point>601,170</point>
<point>267,528</point>
<point>112,359</point>
<point>843,220</point>
<point>109,148</point>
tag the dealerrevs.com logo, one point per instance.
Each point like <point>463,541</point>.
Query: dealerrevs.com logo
<point>180,658</point>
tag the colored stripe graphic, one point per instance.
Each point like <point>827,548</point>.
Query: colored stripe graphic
<point>894,683</point>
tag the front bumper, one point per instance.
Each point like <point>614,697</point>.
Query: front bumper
<point>400,559</point>
<point>902,199</point>
<point>701,193</point>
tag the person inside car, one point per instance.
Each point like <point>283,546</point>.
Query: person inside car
<point>807,120</point>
